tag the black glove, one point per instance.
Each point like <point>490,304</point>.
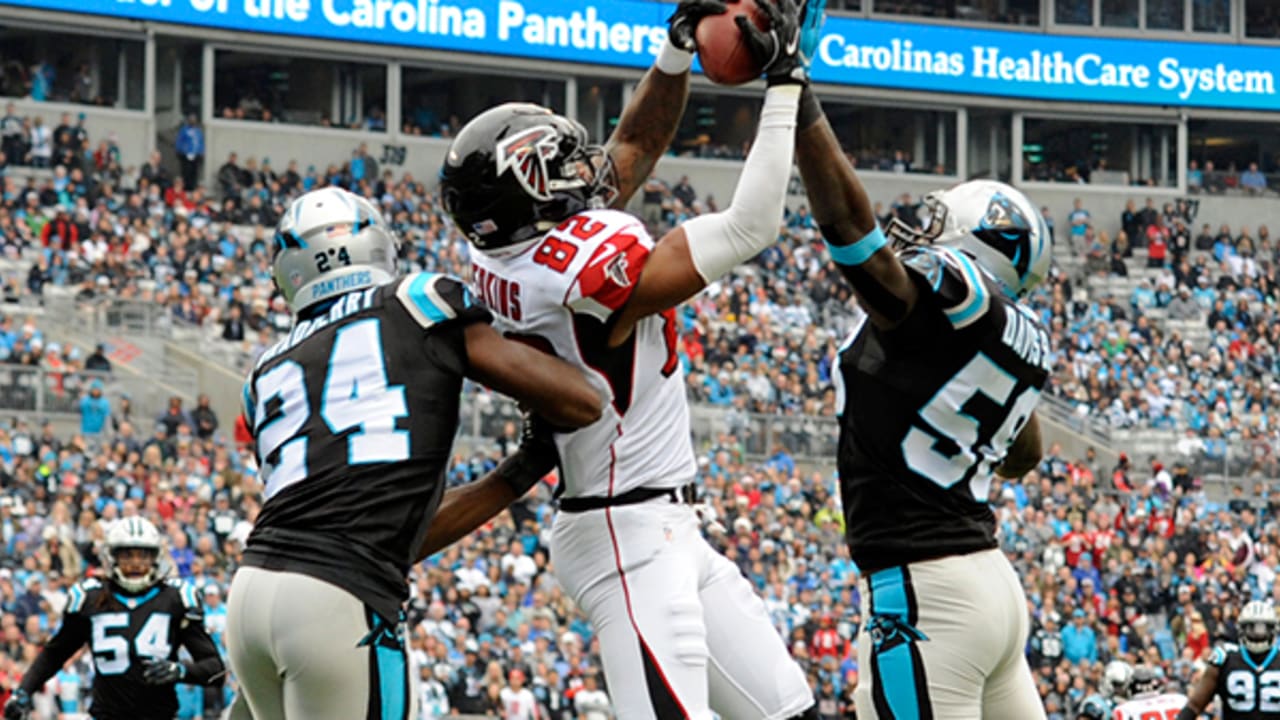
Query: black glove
<point>683,23</point>
<point>536,456</point>
<point>19,706</point>
<point>777,49</point>
<point>162,672</point>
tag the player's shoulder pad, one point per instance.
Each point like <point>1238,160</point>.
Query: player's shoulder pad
<point>247,403</point>
<point>80,592</point>
<point>954,278</point>
<point>187,593</point>
<point>432,298</point>
<point>1220,654</point>
<point>616,246</point>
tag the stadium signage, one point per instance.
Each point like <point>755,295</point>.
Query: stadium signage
<point>853,51</point>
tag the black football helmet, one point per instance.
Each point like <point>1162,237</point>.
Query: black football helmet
<point>518,170</point>
<point>1145,681</point>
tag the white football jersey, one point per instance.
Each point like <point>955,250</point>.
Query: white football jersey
<point>1164,706</point>
<point>558,295</point>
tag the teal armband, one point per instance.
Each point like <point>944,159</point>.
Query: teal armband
<point>860,251</point>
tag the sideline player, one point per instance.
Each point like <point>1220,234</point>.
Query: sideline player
<point>134,622</point>
<point>680,629</point>
<point>1247,679</point>
<point>353,417</point>
<point>937,387</point>
<point>1147,702</point>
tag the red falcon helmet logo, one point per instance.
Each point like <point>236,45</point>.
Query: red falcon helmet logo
<point>526,154</point>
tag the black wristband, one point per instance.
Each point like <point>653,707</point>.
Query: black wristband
<point>810,111</point>
<point>1187,714</point>
<point>518,473</point>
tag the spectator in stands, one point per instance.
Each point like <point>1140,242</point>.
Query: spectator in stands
<point>1048,222</point>
<point>95,409</point>
<point>12,135</point>
<point>154,172</point>
<point>684,192</point>
<point>173,418</point>
<point>60,233</point>
<point>1079,219</point>
<point>189,144</point>
<point>1195,178</point>
<point>233,326</point>
<point>40,142</point>
<point>1157,245</point>
<point>205,419</point>
<point>1252,180</point>
<point>590,701</point>
<point>231,178</point>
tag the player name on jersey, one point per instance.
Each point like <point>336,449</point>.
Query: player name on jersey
<point>500,294</point>
<point>1026,337</point>
<point>348,304</point>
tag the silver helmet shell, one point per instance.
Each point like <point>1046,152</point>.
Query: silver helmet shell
<point>328,243</point>
<point>994,224</point>
<point>1258,627</point>
<point>130,533</point>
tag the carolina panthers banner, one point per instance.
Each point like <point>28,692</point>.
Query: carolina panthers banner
<point>852,51</point>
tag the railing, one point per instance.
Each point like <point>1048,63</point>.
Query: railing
<point>810,440</point>
<point>45,392</point>
<point>1065,413</point>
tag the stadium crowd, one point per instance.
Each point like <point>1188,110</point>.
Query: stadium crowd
<point>1118,561</point>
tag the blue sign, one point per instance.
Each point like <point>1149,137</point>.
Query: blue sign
<point>853,51</point>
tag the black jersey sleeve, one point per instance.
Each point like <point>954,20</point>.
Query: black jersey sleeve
<point>949,281</point>
<point>438,301</point>
<point>206,667</point>
<point>71,635</point>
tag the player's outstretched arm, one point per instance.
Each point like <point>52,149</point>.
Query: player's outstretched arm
<point>1201,695</point>
<point>550,386</point>
<point>841,208</point>
<point>701,250</point>
<point>70,637</point>
<point>467,507</point>
<point>1025,452</point>
<point>649,121</point>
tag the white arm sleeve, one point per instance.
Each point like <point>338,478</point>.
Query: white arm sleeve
<point>721,241</point>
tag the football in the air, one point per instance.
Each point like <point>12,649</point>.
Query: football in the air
<point>725,58</point>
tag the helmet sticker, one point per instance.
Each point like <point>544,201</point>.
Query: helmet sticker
<point>526,154</point>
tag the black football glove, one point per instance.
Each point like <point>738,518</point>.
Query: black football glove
<point>19,706</point>
<point>162,672</point>
<point>683,23</point>
<point>777,48</point>
<point>536,456</point>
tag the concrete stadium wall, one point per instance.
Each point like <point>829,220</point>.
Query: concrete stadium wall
<point>134,130</point>
<point>316,146</point>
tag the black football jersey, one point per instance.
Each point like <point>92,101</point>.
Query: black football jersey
<point>353,417</point>
<point>122,630</point>
<point>929,409</point>
<point>1249,686</point>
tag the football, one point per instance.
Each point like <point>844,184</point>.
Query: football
<point>725,58</point>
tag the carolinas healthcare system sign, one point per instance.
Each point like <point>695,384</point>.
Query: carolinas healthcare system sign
<point>852,51</point>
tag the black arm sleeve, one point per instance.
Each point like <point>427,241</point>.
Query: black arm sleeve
<point>206,667</point>
<point>69,638</point>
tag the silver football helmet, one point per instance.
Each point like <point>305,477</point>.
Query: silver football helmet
<point>328,243</point>
<point>135,572</point>
<point>994,224</point>
<point>1117,677</point>
<point>1258,627</point>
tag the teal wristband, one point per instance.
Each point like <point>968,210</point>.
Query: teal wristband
<point>860,251</point>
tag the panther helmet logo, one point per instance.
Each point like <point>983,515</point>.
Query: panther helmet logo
<point>526,154</point>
